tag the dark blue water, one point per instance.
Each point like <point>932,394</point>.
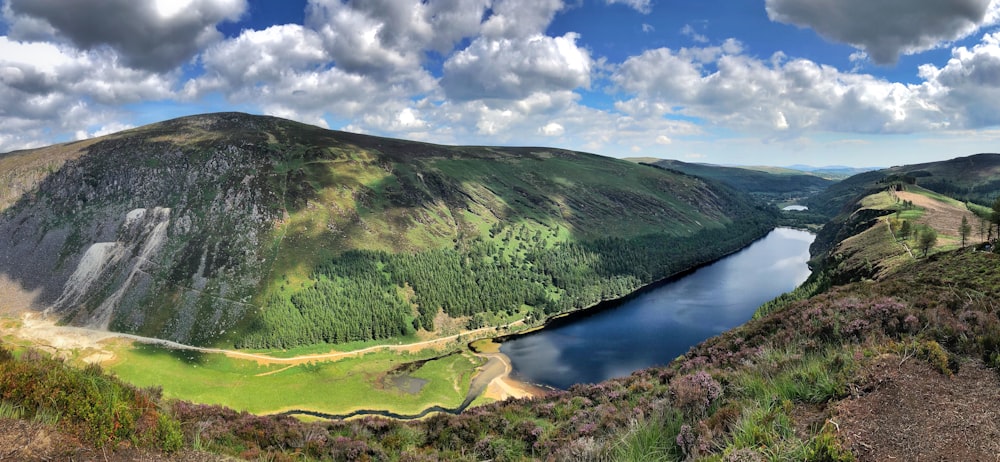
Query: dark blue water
<point>657,325</point>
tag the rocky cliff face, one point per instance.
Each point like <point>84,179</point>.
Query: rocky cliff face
<point>150,230</point>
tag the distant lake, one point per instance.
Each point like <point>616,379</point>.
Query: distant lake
<point>797,208</point>
<point>658,324</point>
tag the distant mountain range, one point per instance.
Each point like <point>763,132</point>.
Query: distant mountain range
<point>762,182</point>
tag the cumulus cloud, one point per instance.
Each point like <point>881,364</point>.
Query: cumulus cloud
<point>46,87</point>
<point>113,127</point>
<point>888,28</point>
<point>520,18</point>
<point>155,35</point>
<point>966,87</point>
<point>516,68</point>
<point>383,36</point>
<point>552,129</point>
<point>372,66</point>
<point>778,95</point>
<point>289,71</point>
<point>262,57</point>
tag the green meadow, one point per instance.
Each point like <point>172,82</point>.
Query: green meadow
<point>335,387</point>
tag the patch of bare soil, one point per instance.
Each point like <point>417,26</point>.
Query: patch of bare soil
<point>25,441</point>
<point>911,412</point>
<point>943,217</point>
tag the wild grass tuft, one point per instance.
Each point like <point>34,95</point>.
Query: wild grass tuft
<point>9,410</point>
<point>652,440</point>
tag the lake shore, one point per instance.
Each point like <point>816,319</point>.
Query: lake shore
<point>655,324</point>
<point>501,385</point>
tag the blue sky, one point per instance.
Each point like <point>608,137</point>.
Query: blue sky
<point>773,82</point>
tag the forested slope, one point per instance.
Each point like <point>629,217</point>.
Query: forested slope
<point>257,231</point>
<point>866,371</point>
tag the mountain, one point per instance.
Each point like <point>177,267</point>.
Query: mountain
<point>261,232</point>
<point>865,371</point>
<point>973,178</point>
<point>753,180</point>
<point>833,172</point>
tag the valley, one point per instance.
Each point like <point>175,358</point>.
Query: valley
<point>237,254</point>
<point>250,286</point>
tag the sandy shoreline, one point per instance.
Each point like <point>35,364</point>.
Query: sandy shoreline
<point>502,386</point>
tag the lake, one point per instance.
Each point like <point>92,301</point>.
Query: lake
<point>655,325</point>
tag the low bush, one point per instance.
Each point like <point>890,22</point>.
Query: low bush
<point>88,402</point>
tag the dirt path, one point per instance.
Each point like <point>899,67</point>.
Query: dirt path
<point>905,410</point>
<point>893,235</point>
<point>44,332</point>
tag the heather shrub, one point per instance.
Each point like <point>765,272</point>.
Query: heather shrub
<point>824,447</point>
<point>694,393</point>
<point>989,345</point>
<point>935,355</point>
<point>98,407</point>
<point>168,433</point>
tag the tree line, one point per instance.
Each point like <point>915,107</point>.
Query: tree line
<point>361,294</point>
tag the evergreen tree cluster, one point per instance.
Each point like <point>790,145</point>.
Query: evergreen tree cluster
<point>360,296</point>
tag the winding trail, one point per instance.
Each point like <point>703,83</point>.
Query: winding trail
<point>894,239</point>
<point>492,377</point>
<point>47,333</point>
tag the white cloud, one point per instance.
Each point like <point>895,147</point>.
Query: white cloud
<point>520,18</point>
<point>552,129</point>
<point>967,87</point>
<point>372,66</point>
<point>516,68</point>
<point>383,36</point>
<point>146,35</point>
<point>642,6</point>
<point>113,127</point>
<point>689,31</point>
<point>285,70</point>
<point>264,56</point>
<point>648,28</point>
<point>48,89</point>
<point>885,29</point>
<point>778,96</point>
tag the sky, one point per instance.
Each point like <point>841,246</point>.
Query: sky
<point>735,82</point>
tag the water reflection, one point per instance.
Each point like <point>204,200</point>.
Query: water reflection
<point>658,325</point>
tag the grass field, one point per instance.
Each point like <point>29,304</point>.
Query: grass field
<point>331,387</point>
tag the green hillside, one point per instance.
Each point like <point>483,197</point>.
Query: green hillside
<point>770,184</point>
<point>871,370</point>
<point>971,178</point>
<point>262,232</point>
